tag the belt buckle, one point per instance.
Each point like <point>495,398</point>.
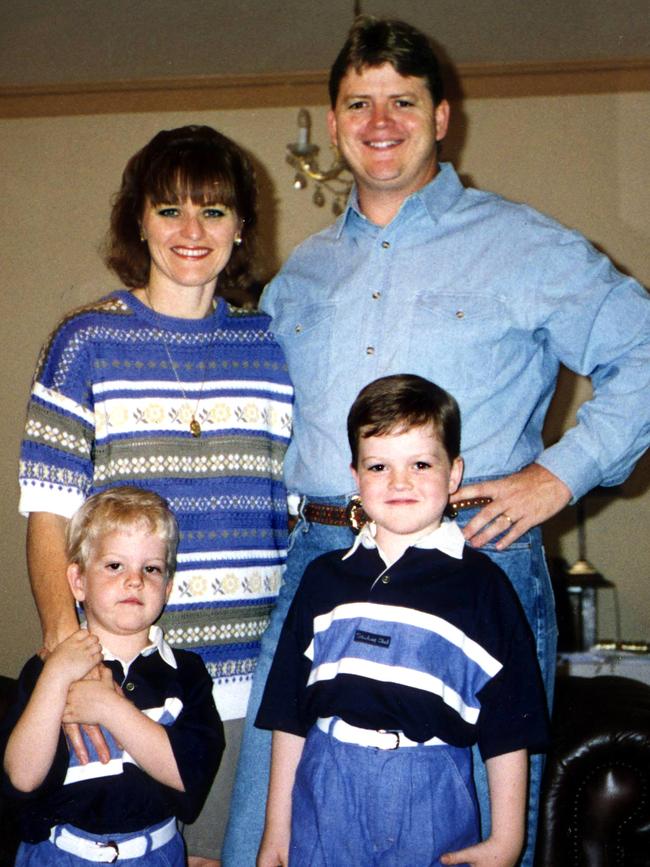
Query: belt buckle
<point>355,514</point>
<point>111,844</point>
<point>390,732</point>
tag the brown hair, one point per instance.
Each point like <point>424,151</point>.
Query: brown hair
<point>399,403</point>
<point>375,41</point>
<point>194,162</point>
<point>119,509</point>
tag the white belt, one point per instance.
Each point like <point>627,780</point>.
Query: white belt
<point>109,852</point>
<point>381,740</point>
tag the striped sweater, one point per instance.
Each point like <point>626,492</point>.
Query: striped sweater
<point>107,409</point>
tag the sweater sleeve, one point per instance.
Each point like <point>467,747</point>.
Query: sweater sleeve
<point>56,458</point>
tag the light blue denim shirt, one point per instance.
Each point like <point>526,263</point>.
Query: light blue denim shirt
<point>483,296</point>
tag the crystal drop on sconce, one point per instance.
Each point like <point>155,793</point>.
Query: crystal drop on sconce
<point>300,181</point>
<point>318,198</point>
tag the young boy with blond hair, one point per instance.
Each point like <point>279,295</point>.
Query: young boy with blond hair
<point>396,657</point>
<point>154,704</point>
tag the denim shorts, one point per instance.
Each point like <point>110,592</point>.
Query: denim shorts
<point>355,805</point>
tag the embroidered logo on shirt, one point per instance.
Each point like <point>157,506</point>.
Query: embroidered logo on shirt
<point>372,638</point>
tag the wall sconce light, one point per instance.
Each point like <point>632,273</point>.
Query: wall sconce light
<point>303,156</point>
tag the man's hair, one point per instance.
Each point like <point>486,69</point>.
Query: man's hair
<point>194,162</point>
<point>118,510</point>
<point>395,404</point>
<point>375,41</point>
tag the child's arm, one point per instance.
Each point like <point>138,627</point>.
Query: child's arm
<point>285,755</point>
<point>507,782</point>
<point>97,702</point>
<point>33,742</point>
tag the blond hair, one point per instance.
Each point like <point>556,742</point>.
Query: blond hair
<point>119,509</point>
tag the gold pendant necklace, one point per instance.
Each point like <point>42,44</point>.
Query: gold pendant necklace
<point>195,427</point>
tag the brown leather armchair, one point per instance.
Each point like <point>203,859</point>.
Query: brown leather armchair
<point>595,808</point>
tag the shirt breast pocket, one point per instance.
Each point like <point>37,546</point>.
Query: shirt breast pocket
<point>305,334</point>
<point>461,339</point>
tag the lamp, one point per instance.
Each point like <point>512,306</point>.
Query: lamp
<point>303,156</point>
<point>582,583</point>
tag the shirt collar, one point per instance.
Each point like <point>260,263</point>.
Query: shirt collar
<point>447,538</point>
<point>157,643</point>
<point>437,197</point>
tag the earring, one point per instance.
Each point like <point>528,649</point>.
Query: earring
<point>355,514</point>
<point>237,241</point>
<point>142,236</point>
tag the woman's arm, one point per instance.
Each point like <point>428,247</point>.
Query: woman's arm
<point>507,782</point>
<point>146,741</point>
<point>47,565</point>
<point>285,755</point>
<point>46,562</point>
<point>33,743</point>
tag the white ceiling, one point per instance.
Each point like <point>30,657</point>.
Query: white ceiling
<point>53,41</point>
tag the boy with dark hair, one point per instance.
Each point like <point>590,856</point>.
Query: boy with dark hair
<point>154,704</point>
<point>396,657</point>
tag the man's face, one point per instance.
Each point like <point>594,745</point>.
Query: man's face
<point>386,127</point>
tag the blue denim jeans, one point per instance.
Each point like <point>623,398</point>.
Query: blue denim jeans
<point>360,806</point>
<point>246,822</point>
<point>524,564</point>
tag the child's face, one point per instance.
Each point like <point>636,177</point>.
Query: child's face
<point>405,479</point>
<point>124,585</point>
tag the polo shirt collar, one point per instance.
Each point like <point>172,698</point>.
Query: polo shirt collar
<point>157,644</point>
<point>447,538</point>
<point>437,197</point>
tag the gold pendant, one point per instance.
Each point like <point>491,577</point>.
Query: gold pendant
<point>195,428</point>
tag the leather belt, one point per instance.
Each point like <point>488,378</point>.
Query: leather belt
<point>339,516</point>
<point>471,503</point>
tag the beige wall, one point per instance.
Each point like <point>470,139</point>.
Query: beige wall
<point>581,158</point>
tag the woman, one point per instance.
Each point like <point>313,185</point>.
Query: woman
<point>166,386</point>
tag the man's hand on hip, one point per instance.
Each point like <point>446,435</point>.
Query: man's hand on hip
<point>519,502</point>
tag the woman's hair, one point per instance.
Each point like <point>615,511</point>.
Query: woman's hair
<point>395,404</point>
<point>375,41</point>
<point>117,510</point>
<point>194,162</point>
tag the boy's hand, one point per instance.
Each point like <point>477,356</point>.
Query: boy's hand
<point>89,701</point>
<point>273,852</point>
<point>490,853</point>
<point>74,657</point>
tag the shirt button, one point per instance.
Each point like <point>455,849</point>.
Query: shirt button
<point>460,314</point>
<point>370,350</point>
<point>298,328</point>
<point>376,295</point>
<point>130,686</point>
<point>385,244</point>
<point>385,579</point>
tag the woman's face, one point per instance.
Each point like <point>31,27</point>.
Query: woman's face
<point>189,244</point>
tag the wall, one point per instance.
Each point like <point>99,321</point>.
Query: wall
<point>581,158</point>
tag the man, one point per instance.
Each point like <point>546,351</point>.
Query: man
<point>483,296</point>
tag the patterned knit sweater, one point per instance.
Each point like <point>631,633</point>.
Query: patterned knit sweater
<point>107,408</point>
